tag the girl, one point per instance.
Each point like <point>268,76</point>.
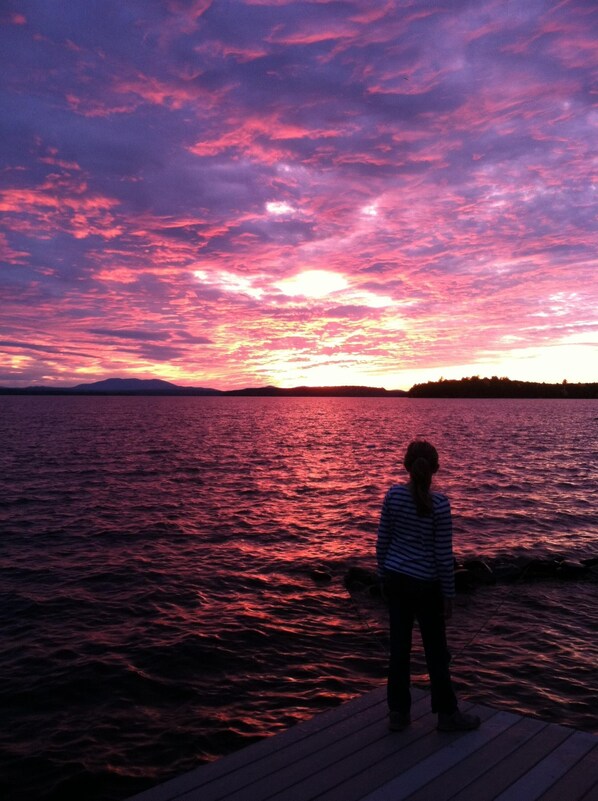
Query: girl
<point>414,551</point>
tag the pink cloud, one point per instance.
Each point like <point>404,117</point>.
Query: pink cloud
<point>171,178</point>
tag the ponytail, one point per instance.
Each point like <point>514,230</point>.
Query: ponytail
<point>421,461</point>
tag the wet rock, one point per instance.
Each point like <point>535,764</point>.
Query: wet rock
<point>541,568</point>
<point>507,572</point>
<point>480,571</point>
<point>321,575</point>
<point>591,562</point>
<point>572,572</point>
<point>359,578</point>
<point>464,580</point>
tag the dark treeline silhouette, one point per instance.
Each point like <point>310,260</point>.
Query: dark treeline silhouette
<point>476,387</point>
<point>311,392</point>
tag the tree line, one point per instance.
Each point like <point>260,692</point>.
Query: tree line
<point>476,387</point>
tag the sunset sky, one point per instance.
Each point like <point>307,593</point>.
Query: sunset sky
<point>231,193</point>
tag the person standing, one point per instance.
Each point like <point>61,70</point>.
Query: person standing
<point>414,552</point>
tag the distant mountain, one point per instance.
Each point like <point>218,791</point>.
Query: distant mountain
<point>126,385</point>
<point>155,386</point>
<point>140,386</point>
<point>115,386</point>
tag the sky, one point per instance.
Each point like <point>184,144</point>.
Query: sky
<point>234,193</point>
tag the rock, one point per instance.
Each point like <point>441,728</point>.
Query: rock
<point>568,571</point>
<point>464,580</point>
<point>321,575</point>
<point>480,571</point>
<point>507,572</point>
<point>541,568</point>
<point>591,562</point>
<point>359,577</point>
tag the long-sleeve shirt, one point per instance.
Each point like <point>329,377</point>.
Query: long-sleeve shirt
<point>421,547</point>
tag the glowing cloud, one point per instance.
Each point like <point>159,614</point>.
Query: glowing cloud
<point>279,208</point>
<point>277,191</point>
<point>228,282</point>
<point>312,284</point>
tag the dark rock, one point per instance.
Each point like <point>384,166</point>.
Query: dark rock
<point>569,571</point>
<point>507,572</point>
<point>359,577</point>
<point>464,580</point>
<point>480,571</point>
<point>321,575</point>
<point>541,568</point>
<point>591,562</point>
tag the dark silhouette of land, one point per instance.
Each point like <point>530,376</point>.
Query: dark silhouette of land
<point>473,387</point>
<point>476,387</point>
<point>155,386</point>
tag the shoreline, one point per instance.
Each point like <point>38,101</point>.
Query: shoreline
<point>473,387</point>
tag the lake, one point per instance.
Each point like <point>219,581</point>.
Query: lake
<point>158,594</point>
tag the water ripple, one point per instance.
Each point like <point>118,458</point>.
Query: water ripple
<point>158,559</point>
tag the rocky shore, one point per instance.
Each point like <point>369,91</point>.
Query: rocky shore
<point>472,573</point>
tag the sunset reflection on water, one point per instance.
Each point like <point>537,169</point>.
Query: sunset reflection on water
<point>161,555</point>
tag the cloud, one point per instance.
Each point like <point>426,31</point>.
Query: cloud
<point>187,184</point>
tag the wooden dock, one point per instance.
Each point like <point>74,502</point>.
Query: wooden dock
<point>348,754</point>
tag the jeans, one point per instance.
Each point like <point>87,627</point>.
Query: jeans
<point>410,599</point>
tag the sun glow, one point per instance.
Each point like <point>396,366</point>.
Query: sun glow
<point>312,284</point>
<point>324,374</point>
<point>279,208</point>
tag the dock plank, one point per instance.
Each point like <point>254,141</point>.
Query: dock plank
<point>580,781</point>
<point>479,762</point>
<point>404,751</point>
<point>515,766</point>
<point>288,766</point>
<point>553,767</point>
<point>443,759</point>
<point>348,754</point>
<point>264,749</point>
<point>341,769</point>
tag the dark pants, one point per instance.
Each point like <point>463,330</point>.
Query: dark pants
<point>408,600</point>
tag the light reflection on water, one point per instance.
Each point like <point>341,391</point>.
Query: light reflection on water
<point>157,560</point>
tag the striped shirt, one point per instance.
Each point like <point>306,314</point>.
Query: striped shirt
<point>421,547</point>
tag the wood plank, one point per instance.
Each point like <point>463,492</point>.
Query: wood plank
<point>306,771</point>
<point>338,767</point>
<point>402,751</point>
<point>461,746</point>
<point>477,764</point>
<point>513,767</point>
<point>580,781</point>
<point>348,754</point>
<point>554,766</point>
<point>264,749</point>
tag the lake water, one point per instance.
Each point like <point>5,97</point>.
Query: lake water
<point>158,603</point>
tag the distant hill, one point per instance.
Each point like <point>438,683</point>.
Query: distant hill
<point>115,386</point>
<point>320,392</point>
<point>140,386</point>
<point>155,386</point>
<point>126,385</point>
